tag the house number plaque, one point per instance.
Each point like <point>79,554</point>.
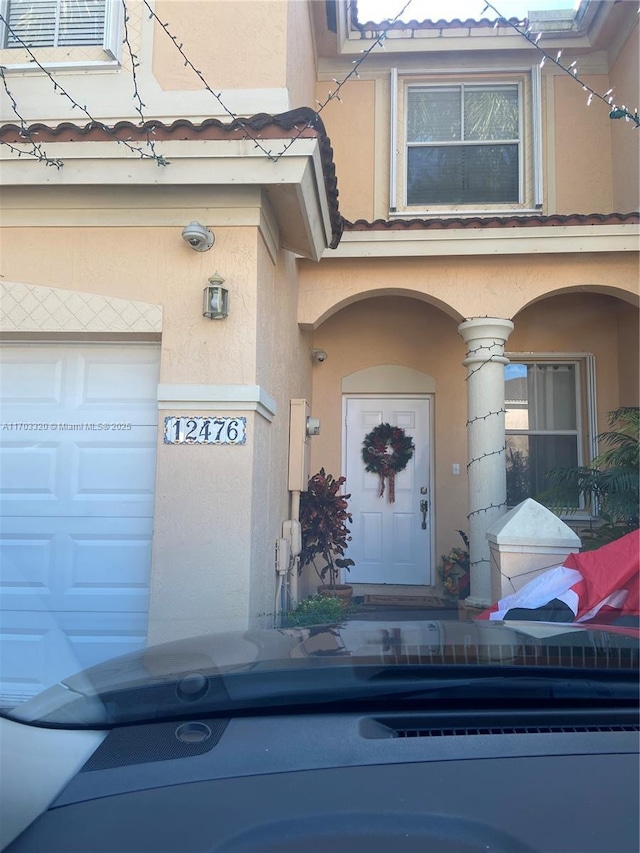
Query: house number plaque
<point>200,430</point>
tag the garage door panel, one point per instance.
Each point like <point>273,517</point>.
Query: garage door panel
<point>77,504</point>
<point>105,471</point>
<point>36,380</point>
<point>28,470</point>
<point>26,563</point>
<point>110,382</point>
<point>71,567</point>
<point>117,563</point>
<point>56,646</point>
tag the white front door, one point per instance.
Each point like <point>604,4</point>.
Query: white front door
<point>391,542</point>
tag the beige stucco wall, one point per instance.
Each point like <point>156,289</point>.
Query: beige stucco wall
<point>469,287</point>
<point>582,147</point>
<point>218,44</point>
<point>153,265</point>
<point>284,368</point>
<point>350,124</point>
<point>218,509</point>
<point>625,144</point>
<point>300,68</point>
<point>628,362</point>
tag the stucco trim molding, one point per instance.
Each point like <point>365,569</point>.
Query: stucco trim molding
<point>494,241</point>
<point>217,398</point>
<point>30,308</point>
<point>388,379</point>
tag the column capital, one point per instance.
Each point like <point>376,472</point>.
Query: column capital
<point>492,328</point>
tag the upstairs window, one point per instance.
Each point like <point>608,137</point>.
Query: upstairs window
<point>463,145</point>
<point>55,23</point>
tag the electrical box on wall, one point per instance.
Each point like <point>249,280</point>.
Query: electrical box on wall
<point>301,427</point>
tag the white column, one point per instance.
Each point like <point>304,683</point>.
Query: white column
<point>485,338</point>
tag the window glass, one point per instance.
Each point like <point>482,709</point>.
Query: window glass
<point>463,174</point>
<point>56,23</point>
<point>531,457</point>
<point>434,115</point>
<point>491,113</point>
<point>451,156</point>
<point>542,425</point>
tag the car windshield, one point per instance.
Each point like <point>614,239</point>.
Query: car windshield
<point>319,356</point>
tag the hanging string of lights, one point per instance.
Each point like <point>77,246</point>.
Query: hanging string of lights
<point>36,151</point>
<point>57,87</point>
<point>334,94</point>
<point>524,29</point>
<point>247,134</point>
<point>135,63</point>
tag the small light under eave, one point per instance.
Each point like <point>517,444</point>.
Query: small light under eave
<point>215,304</point>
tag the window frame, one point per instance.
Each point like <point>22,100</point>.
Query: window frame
<point>586,417</point>
<point>530,171</point>
<point>111,46</point>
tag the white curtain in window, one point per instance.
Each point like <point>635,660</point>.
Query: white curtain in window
<point>552,396</point>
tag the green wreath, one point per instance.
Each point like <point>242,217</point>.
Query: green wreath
<point>386,451</point>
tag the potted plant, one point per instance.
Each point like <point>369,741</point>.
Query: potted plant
<point>324,514</point>
<point>454,570</point>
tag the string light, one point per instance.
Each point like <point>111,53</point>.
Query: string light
<point>571,69</point>
<point>485,455</point>
<point>37,151</point>
<point>488,415</point>
<point>335,93</point>
<point>217,95</point>
<point>57,87</point>
<point>137,99</point>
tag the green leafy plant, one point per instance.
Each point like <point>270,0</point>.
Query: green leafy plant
<point>454,570</point>
<point>518,479</point>
<point>316,610</point>
<point>324,514</point>
<point>612,479</point>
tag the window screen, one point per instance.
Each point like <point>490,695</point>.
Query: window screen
<point>463,145</point>
<point>55,23</point>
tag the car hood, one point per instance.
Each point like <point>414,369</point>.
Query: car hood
<point>252,663</point>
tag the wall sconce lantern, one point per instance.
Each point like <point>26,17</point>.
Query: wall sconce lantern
<point>215,303</point>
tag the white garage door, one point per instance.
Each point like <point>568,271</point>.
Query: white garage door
<point>77,474</point>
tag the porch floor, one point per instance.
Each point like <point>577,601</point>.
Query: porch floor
<point>370,608</point>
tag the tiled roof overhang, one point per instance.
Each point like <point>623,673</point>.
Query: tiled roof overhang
<point>303,123</point>
<point>428,24</point>
<point>535,221</point>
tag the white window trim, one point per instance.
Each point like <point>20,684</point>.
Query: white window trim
<point>587,427</point>
<point>398,207</point>
<point>111,45</point>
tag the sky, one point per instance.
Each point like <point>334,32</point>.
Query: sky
<point>379,10</point>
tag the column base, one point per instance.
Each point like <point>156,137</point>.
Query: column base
<point>477,603</point>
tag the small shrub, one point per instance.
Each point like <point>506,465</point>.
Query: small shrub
<point>316,610</point>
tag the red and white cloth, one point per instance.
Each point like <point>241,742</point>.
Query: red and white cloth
<point>603,583</point>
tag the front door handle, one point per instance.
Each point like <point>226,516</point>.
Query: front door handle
<point>424,508</point>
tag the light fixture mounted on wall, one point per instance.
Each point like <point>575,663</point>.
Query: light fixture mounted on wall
<point>198,237</point>
<point>215,303</point>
